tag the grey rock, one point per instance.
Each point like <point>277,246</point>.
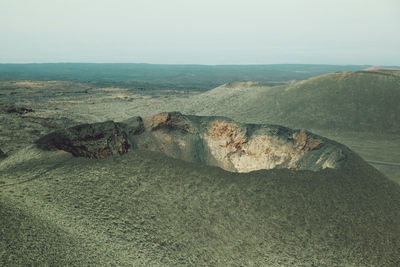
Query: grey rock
<point>97,140</point>
<point>132,126</point>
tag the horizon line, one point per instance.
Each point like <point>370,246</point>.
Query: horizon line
<point>198,64</point>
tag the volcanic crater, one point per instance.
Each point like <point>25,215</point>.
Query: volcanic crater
<point>214,141</point>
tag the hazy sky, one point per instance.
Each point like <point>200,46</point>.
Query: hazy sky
<point>201,31</point>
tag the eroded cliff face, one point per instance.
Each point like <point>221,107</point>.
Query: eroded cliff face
<point>237,147</point>
<point>217,141</point>
<point>234,150</point>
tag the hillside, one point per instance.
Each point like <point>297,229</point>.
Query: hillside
<point>344,101</point>
<point>363,115</point>
<point>125,203</point>
<point>143,208</point>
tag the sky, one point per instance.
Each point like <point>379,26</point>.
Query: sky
<point>201,31</point>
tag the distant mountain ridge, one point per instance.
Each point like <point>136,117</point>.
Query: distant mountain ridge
<point>162,76</point>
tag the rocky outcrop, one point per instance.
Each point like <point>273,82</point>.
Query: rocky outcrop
<point>98,140</point>
<point>215,141</point>
<point>133,126</point>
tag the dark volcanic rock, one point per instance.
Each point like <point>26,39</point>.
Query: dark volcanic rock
<point>98,140</point>
<point>2,155</point>
<point>15,109</point>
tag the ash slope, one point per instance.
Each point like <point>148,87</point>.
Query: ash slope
<point>143,208</point>
<point>351,101</point>
<point>146,209</point>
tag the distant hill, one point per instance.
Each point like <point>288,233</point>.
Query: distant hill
<point>158,76</point>
<point>380,68</point>
<point>354,101</point>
